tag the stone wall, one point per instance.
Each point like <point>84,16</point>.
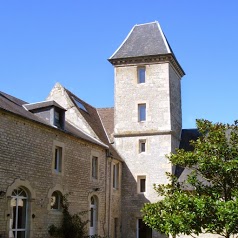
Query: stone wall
<point>162,116</point>
<point>26,157</point>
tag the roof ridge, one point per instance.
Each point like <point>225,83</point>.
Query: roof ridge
<point>104,108</point>
<point>164,38</point>
<point>147,23</point>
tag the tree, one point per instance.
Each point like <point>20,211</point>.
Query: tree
<point>207,200</point>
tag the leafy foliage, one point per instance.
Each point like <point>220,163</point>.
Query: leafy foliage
<point>72,225</point>
<point>207,201</point>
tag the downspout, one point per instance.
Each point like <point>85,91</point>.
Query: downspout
<point>109,209</point>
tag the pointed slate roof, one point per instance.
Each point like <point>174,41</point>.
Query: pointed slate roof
<point>143,40</point>
<point>145,43</point>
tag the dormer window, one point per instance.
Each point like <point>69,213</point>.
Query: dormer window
<point>50,111</point>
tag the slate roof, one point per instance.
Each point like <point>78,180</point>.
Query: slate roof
<point>15,106</point>
<point>33,106</point>
<point>186,136</point>
<point>143,40</point>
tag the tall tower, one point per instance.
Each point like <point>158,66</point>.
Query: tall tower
<point>147,118</point>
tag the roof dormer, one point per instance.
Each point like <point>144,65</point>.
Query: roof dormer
<point>50,111</point>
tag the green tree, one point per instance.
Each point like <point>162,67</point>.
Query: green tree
<point>207,200</point>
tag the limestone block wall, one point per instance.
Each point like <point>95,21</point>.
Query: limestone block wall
<point>72,115</point>
<point>175,101</point>
<point>155,93</point>
<point>26,157</point>
<point>151,164</point>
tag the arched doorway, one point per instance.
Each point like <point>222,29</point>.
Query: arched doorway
<point>19,213</point>
<point>93,216</point>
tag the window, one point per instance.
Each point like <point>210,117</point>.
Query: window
<point>56,200</point>
<point>142,112</point>
<point>115,227</point>
<point>58,159</point>
<point>79,104</point>
<point>116,176</point>
<point>141,74</point>
<point>19,210</point>
<point>141,180</point>
<point>143,231</point>
<point>95,167</point>
<point>142,146</point>
<point>93,216</point>
<point>57,119</point>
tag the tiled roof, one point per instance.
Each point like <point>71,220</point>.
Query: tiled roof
<point>107,117</point>
<point>143,40</point>
<point>92,117</point>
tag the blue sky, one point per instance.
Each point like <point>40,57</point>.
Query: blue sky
<point>47,41</point>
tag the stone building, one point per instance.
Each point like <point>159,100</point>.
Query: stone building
<point>106,159</point>
<point>43,156</point>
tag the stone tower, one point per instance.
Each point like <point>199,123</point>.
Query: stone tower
<point>147,118</point>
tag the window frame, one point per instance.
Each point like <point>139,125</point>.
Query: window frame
<point>59,200</point>
<point>95,167</point>
<point>142,146</point>
<point>17,198</point>
<point>115,175</point>
<point>141,178</point>
<point>141,74</point>
<point>58,158</point>
<point>142,112</point>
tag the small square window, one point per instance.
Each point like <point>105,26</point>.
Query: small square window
<point>116,176</point>
<point>142,146</point>
<point>95,167</point>
<point>142,112</point>
<point>141,184</point>
<point>58,159</point>
<point>141,74</point>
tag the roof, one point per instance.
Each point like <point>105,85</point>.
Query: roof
<point>91,115</point>
<point>107,117</point>
<point>186,136</point>
<point>15,106</point>
<point>33,106</point>
<point>143,40</point>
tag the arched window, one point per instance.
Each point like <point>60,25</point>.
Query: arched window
<point>56,200</point>
<point>93,216</point>
<point>19,216</point>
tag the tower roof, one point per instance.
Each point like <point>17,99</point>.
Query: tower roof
<point>143,40</point>
<point>147,42</point>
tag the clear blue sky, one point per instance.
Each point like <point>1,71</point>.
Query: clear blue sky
<point>69,41</point>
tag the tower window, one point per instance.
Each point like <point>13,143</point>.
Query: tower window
<point>141,74</point>
<point>141,184</point>
<point>142,112</point>
<point>142,146</point>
